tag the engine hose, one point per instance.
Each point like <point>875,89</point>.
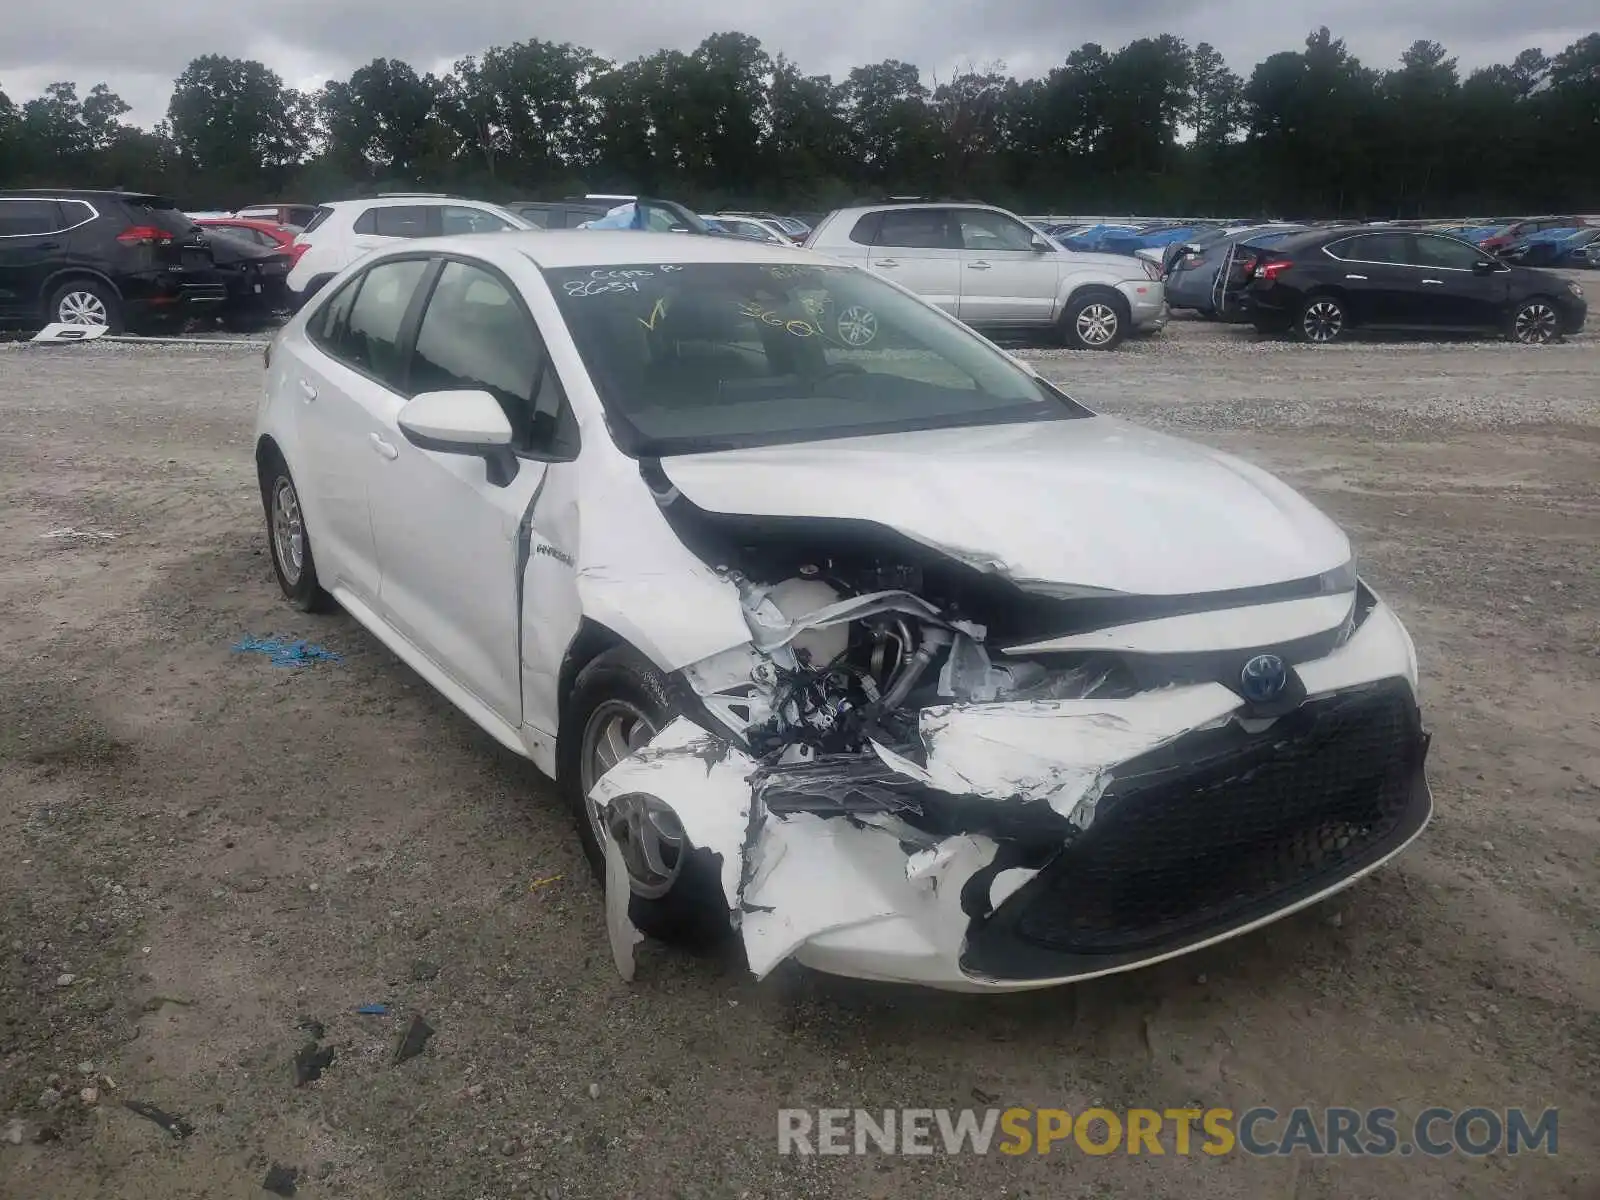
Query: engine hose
<point>934,639</point>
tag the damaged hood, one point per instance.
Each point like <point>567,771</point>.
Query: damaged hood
<point>1089,503</point>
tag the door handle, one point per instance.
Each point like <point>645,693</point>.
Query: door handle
<point>977,266</point>
<point>1434,282</point>
<point>48,246</point>
<point>886,262</point>
<point>306,390</point>
<point>1363,278</point>
<point>384,448</point>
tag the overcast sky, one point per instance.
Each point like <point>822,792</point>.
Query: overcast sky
<point>139,46</point>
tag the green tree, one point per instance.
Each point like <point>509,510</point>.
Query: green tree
<point>234,120</point>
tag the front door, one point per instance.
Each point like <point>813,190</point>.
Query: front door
<point>1454,295</point>
<point>447,528</point>
<point>920,249</point>
<point>1004,280</point>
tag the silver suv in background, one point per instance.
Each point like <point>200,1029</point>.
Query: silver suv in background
<point>997,273</point>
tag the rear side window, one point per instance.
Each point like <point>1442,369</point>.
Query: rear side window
<point>865,232</point>
<point>327,326</point>
<point>1372,248</point>
<point>369,338</point>
<point>917,228</point>
<point>396,221</point>
<point>458,218</point>
<point>22,218</point>
<point>322,214</point>
<point>539,218</point>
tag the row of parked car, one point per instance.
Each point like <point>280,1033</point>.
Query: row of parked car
<point>113,258</point>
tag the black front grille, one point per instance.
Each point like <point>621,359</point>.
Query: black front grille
<point>1224,825</point>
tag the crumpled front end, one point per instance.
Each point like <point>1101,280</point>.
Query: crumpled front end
<point>892,791</point>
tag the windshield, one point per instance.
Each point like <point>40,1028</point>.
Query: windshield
<point>706,356</point>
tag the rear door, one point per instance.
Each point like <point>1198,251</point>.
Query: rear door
<point>1375,275</point>
<point>1004,280</point>
<point>345,387</point>
<point>920,249</point>
<point>31,244</point>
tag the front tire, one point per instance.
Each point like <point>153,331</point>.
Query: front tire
<point>1322,320</point>
<point>1095,321</point>
<point>1535,322</point>
<point>618,703</point>
<point>288,541</point>
<point>86,302</point>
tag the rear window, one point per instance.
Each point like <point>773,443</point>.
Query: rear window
<point>865,232</point>
<point>160,212</point>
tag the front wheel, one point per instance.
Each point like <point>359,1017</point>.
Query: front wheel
<point>1322,320</point>
<point>1535,323</point>
<point>618,703</point>
<point>1093,322</point>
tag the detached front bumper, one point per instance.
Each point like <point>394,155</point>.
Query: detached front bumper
<point>1045,842</point>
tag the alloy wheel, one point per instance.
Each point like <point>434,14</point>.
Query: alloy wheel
<point>857,325</point>
<point>1323,321</point>
<point>82,308</point>
<point>288,531</point>
<point>1097,324</point>
<point>646,832</point>
<point>1535,324</point>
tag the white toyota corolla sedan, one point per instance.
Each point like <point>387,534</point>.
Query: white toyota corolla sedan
<point>890,659</point>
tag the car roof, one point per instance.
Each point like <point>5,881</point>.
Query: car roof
<point>560,248</point>
<point>401,202</point>
<point>151,198</point>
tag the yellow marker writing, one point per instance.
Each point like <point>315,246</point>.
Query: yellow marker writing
<point>656,313</point>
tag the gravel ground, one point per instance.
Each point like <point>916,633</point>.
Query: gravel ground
<point>207,854</point>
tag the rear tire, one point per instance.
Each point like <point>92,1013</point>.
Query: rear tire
<point>86,302</point>
<point>288,541</point>
<point>1322,320</point>
<point>1095,320</point>
<point>618,702</point>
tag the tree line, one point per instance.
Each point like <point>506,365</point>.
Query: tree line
<point>1155,126</point>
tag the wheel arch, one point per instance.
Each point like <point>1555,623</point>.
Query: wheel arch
<point>589,643</point>
<point>66,275</point>
<point>1087,291</point>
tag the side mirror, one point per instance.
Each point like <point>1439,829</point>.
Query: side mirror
<point>462,422</point>
<point>1483,267</point>
<point>1039,245</point>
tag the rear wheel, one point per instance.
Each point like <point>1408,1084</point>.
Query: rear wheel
<point>1322,320</point>
<point>1535,322</point>
<point>287,539</point>
<point>86,302</point>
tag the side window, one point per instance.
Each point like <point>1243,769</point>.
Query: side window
<point>369,338</point>
<point>456,218</point>
<point>74,213</point>
<point>539,218</point>
<point>916,228</point>
<point>396,221</point>
<point>992,231</point>
<point>1446,253</point>
<point>1373,248</point>
<point>328,324</point>
<point>476,336</point>
<point>865,231</point>
<point>22,218</point>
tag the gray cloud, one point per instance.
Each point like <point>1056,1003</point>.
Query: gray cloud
<point>138,47</point>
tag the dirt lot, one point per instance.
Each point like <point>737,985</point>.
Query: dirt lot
<point>204,851</point>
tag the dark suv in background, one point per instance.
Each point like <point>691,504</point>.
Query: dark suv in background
<point>102,258</point>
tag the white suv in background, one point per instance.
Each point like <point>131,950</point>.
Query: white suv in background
<point>344,230</point>
<point>995,272</point>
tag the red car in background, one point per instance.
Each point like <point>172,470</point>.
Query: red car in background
<point>269,235</point>
<point>1521,229</point>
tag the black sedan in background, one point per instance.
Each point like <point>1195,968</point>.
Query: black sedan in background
<point>1320,285</point>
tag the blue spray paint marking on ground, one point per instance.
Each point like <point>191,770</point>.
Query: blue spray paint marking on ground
<point>285,654</point>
